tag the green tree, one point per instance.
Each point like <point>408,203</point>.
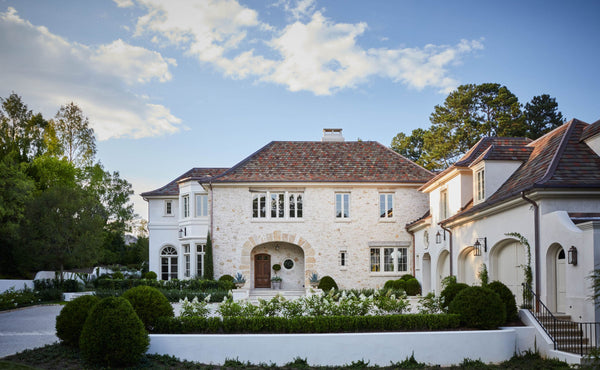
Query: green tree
<point>410,147</point>
<point>20,130</point>
<point>208,259</point>
<point>542,116</point>
<point>75,135</point>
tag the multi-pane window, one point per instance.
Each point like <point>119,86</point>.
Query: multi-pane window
<point>201,205</point>
<point>168,263</point>
<point>186,258</point>
<point>443,205</point>
<point>391,259</point>
<point>342,205</point>
<point>386,205</point>
<point>343,258</point>
<point>280,205</point>
<point>200,260</point>
<point>168,207</point>
<point>186,206</point>
<point>480,185</point>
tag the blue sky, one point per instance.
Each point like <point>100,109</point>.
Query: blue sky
<point>170,85</point>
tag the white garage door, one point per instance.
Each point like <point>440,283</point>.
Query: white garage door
<point>509,262</point>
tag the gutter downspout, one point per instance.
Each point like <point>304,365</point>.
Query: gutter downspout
<point>212,202</point>
<point>414,248</point>
<point>450,245</point>
<point>536,225</point>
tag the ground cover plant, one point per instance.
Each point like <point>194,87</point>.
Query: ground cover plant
<point>57,356</point>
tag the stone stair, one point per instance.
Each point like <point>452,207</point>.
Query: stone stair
<point>266,294</point>
<point>567,334</point>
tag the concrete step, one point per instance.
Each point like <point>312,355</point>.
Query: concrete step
<point>267,294</point>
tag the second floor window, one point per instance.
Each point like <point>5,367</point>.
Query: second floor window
<point>480,185</point>
<point>386,205</point>
<point>201,205</point>
<point>186,206</point>
<point>443,205</point>
<point>342,205</point>
<point>168,207</point>
<point>278,205</point>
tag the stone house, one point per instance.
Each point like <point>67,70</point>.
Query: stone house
<point>547,190</point>
<point>330,207</point>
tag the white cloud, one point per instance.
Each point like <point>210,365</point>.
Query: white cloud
<point>124,3</point>
<point>313,53</point>
<point>49,71</point>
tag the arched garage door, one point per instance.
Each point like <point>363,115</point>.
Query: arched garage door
<point>508,262</point>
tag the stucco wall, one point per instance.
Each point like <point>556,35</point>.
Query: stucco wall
<point>319,233</point>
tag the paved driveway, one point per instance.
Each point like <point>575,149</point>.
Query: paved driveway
<point>27,328</point>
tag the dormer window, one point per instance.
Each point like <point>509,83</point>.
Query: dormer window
<point>443,204</point>
<point>480,186</point>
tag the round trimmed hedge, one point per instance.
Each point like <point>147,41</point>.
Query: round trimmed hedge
<point>150,275</point>
<point>450,291</point>
<point>507,297</point>
<point>395,284</point>
<point>113,335</point>
<point>327,283</point>
<point>149,304</point>
<point>479,308</point>
<point>69,322</point>
<point>413,287</point>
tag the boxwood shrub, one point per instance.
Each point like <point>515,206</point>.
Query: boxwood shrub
<point>327,283</point>
<point>305,324</point>
<point>450,291</point>
<point>69,322</point>
<point>413,287</point>
<point>149,304</point>
<point>479,308</point>
<point>507,297</point>
<point>113,335</point>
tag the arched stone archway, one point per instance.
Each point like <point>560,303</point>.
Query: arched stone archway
<point>469,266</point>
<point>507,259</point>
<point>426,273</point>
<point>556,285</point>
<point>271,239</point>
<point>443,269</point>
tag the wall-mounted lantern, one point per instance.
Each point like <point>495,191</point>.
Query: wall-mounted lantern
<point>180,233</point>
<point>573,256</point>
<point>478,246</point>
<point>438,237</point>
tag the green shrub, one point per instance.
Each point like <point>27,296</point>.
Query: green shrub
<point>507,297</point>
<point>327,283</point>
<point>450,291</point>
<point>113,335</point>
<point>150,275</point>
<point>395,285</point>
<point>117,275</point>
<point>479,308</point>
<point>406,277</point>
<point>69,322</point>
<point>226,278</point>
<point>13,298</point>
<point>149,304</point>
<point>413,287</point>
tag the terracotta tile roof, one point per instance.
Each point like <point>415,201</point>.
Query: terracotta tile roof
<point>477,150</point>
<point>504,153</point>
<point>558,159</point>
<point>426,216</point>
<point>172,188</point>
<point>591,130</point>
<point>315,161</point>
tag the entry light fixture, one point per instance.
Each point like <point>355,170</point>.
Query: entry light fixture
<point>573,256</point>
<point>478,245</point>
<point>180,233</point>
<point>438,237</point>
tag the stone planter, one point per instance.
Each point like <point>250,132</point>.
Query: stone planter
<point>239,285</point>
<point>275,284</point>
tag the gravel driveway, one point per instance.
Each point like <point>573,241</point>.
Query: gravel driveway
<point>27,328</point>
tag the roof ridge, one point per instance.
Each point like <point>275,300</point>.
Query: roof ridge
<point>243,161</point>
<point>403,157</point>
<point>558,153</point>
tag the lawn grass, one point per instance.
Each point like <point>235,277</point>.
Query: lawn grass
<point>59,356</point>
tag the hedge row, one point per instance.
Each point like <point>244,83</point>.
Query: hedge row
<point>192,284</point>
<point>173,295</point>
<point>330,324</point>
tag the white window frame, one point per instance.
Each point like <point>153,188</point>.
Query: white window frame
<point>343,259</point>
<point>277,205</point>
<point>201,205</point>
<point>480,181</point>
<point>168,207</point>
<point>444,213</point>
<point>169,252</point>
<point>342,205</point>
<point>185,209</point>
<point>200,251</point>
<point>386,205</point>
<point>379,262</point>
<point>186,261</point>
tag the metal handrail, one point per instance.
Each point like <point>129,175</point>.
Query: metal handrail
<point>569,336</point>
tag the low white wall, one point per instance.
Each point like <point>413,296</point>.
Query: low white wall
<point>439,348</point>
<point>6,284</point>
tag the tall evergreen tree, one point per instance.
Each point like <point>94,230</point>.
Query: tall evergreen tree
<point>208,259</point>
<point>542,116</point>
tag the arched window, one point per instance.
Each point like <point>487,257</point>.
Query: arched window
<point>168,263</point>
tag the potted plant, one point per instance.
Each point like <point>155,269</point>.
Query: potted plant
<point>276,268</point>
<point>314,280</point>
<point>239,280</point>
<point>276,282</point>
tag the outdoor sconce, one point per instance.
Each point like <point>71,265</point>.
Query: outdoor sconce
<point>573,256</point>
<point>180,233</point>
<point>438,237</point>
<point>478,244</point>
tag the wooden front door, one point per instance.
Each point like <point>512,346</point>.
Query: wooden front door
<point>262,271</point>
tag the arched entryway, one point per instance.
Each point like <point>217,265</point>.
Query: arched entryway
<point>289,257</point>
<point>469,266</point>
<point>556,282</point>
<point>168,263</point>
<point>443,268</point>
<point>507,259</point>
<point>426,273</point>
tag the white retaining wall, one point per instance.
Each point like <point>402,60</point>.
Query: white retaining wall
<point>6,284</point>
<point>441,348</point>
